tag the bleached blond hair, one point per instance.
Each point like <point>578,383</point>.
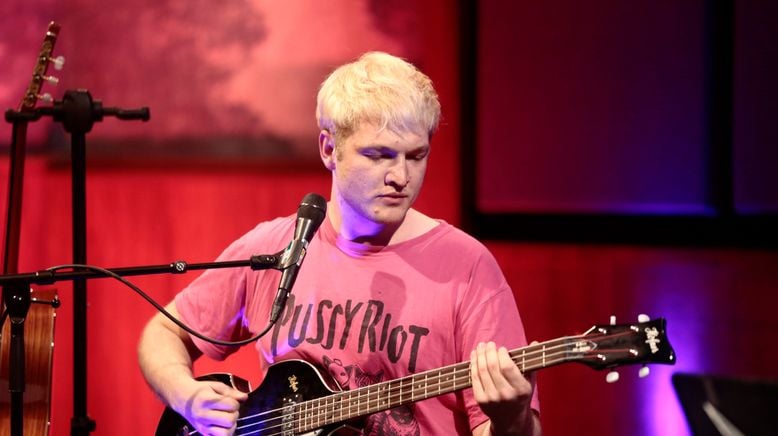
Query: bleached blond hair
<point>377,88</point>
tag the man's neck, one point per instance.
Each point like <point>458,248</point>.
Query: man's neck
<point>379,234</point>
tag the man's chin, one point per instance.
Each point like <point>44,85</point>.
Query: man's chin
<point>391,216</point>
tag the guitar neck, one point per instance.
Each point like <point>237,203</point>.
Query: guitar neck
<point>347,405</point>
<point>17,151</point>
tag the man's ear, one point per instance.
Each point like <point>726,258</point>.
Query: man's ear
<point>327,149</point>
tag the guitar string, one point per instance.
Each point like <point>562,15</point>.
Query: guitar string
<point>308,422</point>
<point>527,358</point>
<point>460,377</point>
<point>409,377</point>
<point>315,414</point>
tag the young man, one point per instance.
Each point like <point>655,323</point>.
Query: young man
<point>385,290</point>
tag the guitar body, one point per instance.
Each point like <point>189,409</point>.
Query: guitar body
<point>286,384</point>
<point>38,347</point>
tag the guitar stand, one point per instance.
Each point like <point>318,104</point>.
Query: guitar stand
<point>77,112</point>
<point>16,297</point>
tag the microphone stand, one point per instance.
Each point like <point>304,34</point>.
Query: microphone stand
<point>16,293</point>
<point>51,276</point>
<point>78,112</point>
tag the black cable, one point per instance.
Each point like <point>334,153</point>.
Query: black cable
<point>159,307</point>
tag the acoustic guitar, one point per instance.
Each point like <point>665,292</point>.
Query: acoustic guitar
<point>296,398</point>
<point>39,323</point>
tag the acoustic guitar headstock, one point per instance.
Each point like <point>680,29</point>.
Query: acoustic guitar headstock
<point>45,58</point>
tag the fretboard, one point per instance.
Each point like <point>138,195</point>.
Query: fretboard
<point>347,405</point>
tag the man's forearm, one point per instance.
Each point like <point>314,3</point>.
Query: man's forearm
<point>165,357</point>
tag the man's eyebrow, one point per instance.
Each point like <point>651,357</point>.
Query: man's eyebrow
<point>382,147</point>
<point>421,148</point>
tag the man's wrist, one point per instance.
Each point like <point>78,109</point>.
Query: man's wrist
<point>522,425</point>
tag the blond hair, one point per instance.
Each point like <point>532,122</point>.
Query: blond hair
<point>377,88</point>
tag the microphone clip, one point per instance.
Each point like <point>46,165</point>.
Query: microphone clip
<point>265,261</point>
<point>293,254</point>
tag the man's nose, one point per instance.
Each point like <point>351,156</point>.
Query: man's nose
<point>398,174</point>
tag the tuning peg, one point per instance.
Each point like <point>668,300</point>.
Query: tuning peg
<point>644,372</point>
<point>58,62</point>
<point>612,377</point>
<point>51,79</point>
<point>643,318</point>
<point>613,319</point>
<point>45,97</point>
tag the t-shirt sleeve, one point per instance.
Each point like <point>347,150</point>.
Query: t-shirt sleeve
<point>488,313</point>
<point>214,304</point>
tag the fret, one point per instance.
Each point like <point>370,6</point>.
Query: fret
<point>314,412</point>
<point>326,412</point>
<point>341,406</point>
<point>300,411</point>
<point>350,410</point>
<point>344,405</point>
<point>331,410</point>
<point>309,413</point>
<point>359,402</point>
<point>319,410</point>
<point>370,394</point>
<point>377,394</point>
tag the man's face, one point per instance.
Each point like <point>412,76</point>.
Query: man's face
<point>377,174</point>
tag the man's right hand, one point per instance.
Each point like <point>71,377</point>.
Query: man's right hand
<point>212,409</point>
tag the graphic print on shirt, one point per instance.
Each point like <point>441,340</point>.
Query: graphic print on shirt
<point>393,422</point>
<point>363,326</point>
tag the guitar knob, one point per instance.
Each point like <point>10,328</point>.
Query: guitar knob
<point>643,318</point>
<point>613,319</point>
<point>612,377</point>
<point>644,372</point>
<point>58,62</point>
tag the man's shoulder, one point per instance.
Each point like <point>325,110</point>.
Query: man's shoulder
<point>437,228</point>
<point>275,225</point>
<point>267,236</point>
<point>448,237</point>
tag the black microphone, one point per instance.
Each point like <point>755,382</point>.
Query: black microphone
<point>310,215</point>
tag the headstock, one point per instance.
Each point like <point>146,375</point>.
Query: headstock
<point>609,346</point>
<point>32,95</point>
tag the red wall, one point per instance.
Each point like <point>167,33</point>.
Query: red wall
<point>718,302</point>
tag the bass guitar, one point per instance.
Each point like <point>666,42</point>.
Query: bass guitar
<point>295,398</point>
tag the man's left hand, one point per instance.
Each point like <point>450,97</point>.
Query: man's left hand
<point>501,390</point>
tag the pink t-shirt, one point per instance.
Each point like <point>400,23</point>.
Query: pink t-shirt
<point>366,315</point>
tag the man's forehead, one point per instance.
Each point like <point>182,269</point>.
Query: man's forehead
<point>369,134</point>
